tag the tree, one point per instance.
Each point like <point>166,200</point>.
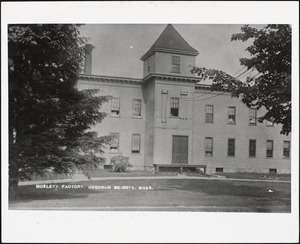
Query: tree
<point>271,87</point>
<point>49,119</point>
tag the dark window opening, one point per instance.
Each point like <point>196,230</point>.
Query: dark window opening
<point>286,149</point>
<point>231,147</point>
<point>174,106</point>
<point>219,170</point>
<point>269,149</point>
<point>273,171</point>
<point>252,148</point>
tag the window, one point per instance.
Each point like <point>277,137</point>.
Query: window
<point>137,107</point>
<point>208,146</point>
<point>286,149</point>
<point>175,64</point>
<point>252,116</point>
<point>269,149</point>
<point>272,171</point>
<point>174,106</point>
<point>209,114</point>
<point>114,144</point>
<point>270,122</point>
<point>231,147</point>
<point>252,148</point>
<point>136,143</point>
<point>149,66</point>
<point>115,107</point>
<point>231,115</point>
<point>219,170</point>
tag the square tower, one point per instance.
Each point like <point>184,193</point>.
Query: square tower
<point>170,54</point>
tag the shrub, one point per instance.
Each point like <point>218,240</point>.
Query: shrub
<point>120,163</point>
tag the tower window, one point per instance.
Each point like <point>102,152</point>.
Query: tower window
<point>175,64</point>
<point>149,66</point>
<point>174,106</point>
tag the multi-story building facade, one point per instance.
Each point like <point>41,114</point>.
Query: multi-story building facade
<point>168,117</point>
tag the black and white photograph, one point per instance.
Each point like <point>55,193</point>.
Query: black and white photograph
<point>178,120</point>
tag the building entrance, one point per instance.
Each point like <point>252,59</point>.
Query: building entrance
<point>180,150</point>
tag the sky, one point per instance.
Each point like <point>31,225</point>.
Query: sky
<point>119,47</point>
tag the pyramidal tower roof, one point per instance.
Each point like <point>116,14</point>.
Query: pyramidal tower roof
<point>171,41</point>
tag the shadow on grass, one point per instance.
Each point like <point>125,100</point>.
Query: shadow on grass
<point>30,193</point>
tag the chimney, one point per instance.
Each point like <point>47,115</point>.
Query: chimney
<point>88,59</point>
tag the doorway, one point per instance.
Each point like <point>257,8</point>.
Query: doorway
<point>180,150</point>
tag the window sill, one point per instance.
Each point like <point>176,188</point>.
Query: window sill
<point>208,122</point>
<point>269,157</point>
<point>252,124</point>
<point>286,158</point>
<point>135,153</point>
<point>230,156</point>
<point>209,156</point>
<point>115,116</point>
<point>174,117</point>
<point>231,123</point>
<point>136,117</point>
<point>252,157</point>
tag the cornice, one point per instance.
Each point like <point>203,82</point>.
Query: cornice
<point>189,79</point>
<point>113,79</point>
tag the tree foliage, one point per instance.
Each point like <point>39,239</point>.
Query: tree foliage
<point>49,119</point>
<point>271,88</point>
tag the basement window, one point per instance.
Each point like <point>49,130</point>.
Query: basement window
<point>273,171</point>
<point>219,170</point>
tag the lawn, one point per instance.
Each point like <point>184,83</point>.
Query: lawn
<point>260,176</point>
<point>159,195</point>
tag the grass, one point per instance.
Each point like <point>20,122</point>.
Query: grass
<point>259,176</point>
<point>164,194</point>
